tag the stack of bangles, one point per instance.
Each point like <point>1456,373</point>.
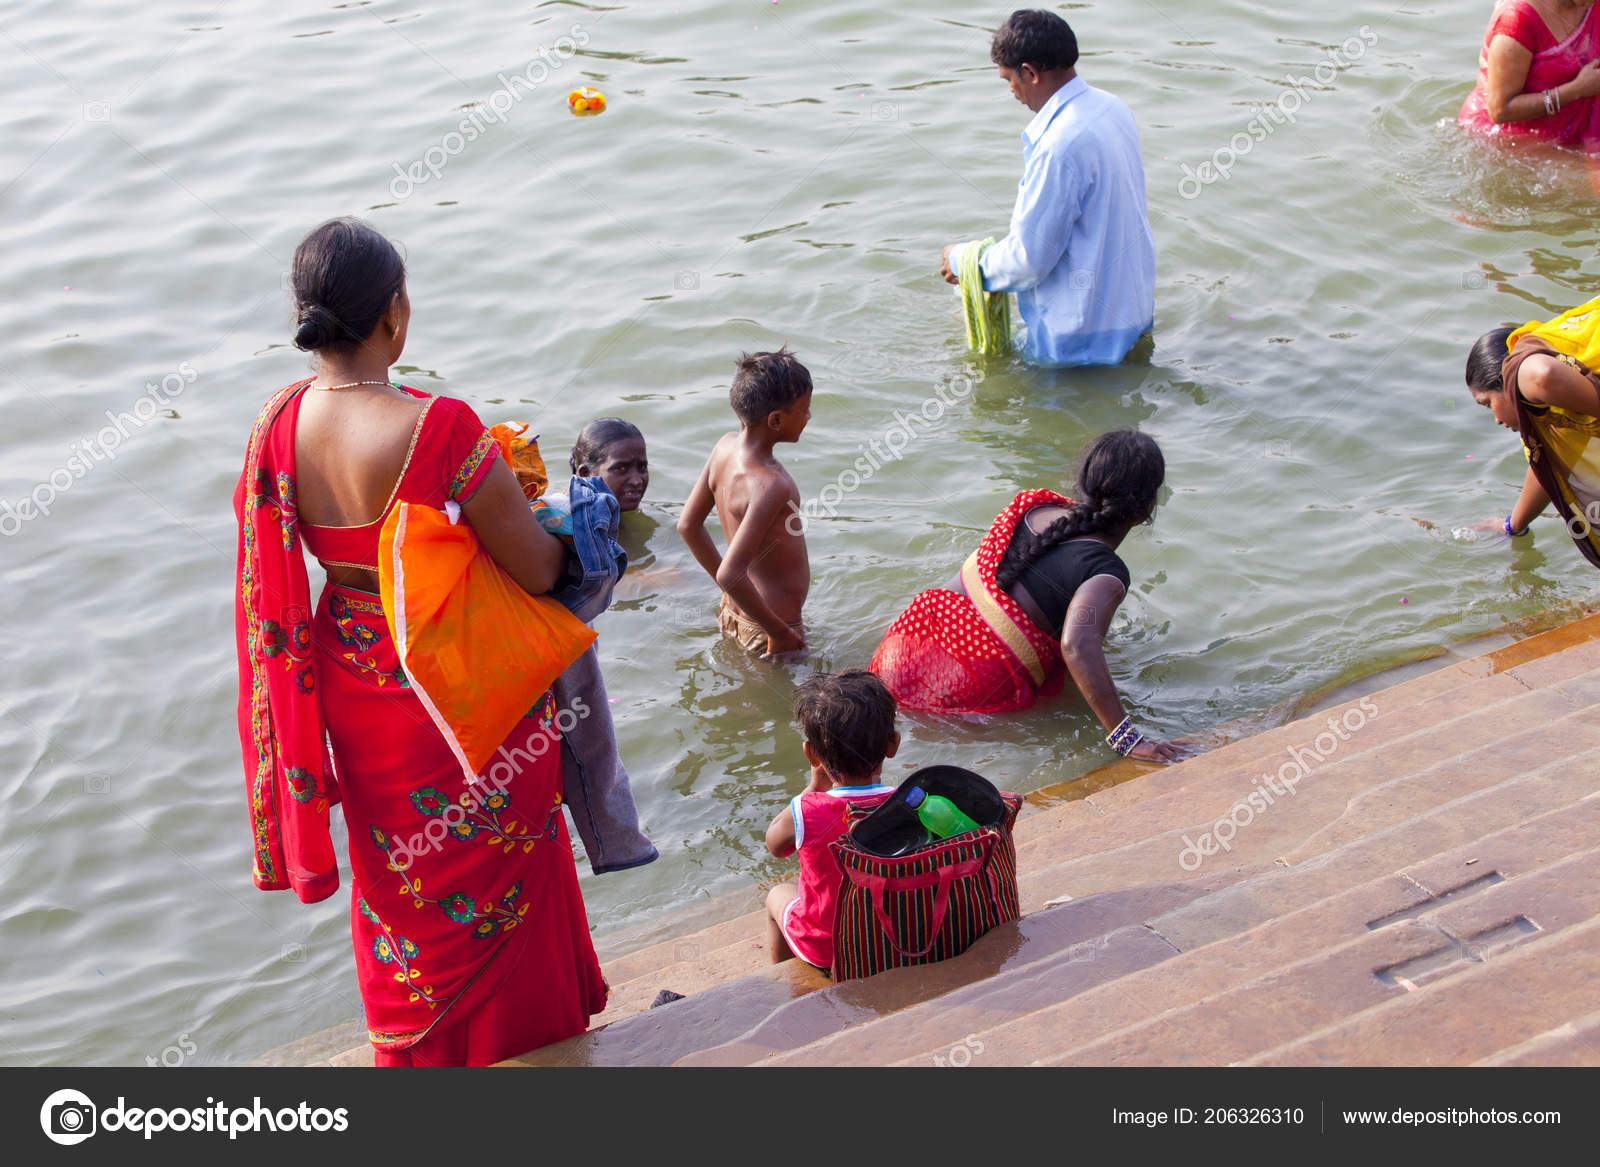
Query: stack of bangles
<point>1512,531</point>
<point>1552,101</point>
<point>1125,737</point>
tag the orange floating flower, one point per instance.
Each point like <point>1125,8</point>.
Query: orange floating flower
<point>586,101</point>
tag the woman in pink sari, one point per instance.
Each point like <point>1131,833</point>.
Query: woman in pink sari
<point>1539,74</point>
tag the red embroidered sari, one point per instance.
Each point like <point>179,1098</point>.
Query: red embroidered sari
<point>974,653</point>
<point>471,940</point>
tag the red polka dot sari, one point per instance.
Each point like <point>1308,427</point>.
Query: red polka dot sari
<point>974,653</point>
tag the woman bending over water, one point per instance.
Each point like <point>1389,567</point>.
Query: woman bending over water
<point>1539,380</point>
<point>1037,595</point>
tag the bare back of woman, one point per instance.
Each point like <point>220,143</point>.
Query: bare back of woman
<point>351,448</point>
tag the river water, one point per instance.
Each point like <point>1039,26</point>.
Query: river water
<point>766,173</point>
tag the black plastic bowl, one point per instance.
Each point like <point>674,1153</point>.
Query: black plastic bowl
<point>893,829</point>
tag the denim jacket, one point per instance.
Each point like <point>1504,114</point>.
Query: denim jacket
<point>596,787</point>
<point>596,562</point>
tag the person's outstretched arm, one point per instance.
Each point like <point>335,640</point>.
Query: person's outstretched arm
<point>1082,647</point>
<point>501,518</point>
<point>692,524</point>
<point>1530,503</point>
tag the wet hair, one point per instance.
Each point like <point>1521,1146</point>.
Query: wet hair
<point>764,382</point>
<point>1032,36</point>
<point>344,275</point>
<point>1488,355</point>
<point>596,436</point>
<point>848,718</point>
<point>1118,481</point>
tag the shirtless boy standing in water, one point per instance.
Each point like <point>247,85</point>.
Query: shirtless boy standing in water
<point>766,574</point>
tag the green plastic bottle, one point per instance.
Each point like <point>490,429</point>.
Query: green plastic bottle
<point>941,816</point>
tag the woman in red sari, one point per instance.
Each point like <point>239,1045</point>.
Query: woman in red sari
<point>1539,74</point>
<point>1034,602</point>
<point>471,940</point>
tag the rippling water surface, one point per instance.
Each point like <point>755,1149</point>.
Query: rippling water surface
<point>766,173</point>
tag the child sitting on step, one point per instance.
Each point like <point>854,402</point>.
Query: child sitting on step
<point>848,723</point>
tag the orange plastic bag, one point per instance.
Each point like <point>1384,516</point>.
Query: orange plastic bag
<point>522,453</point>
<point>478,650</point>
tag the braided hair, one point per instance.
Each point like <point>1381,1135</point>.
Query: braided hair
<point>1118,481</point>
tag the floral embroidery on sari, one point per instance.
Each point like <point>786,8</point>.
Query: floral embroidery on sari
<point>353,634</point>
<point>486,448</point>
<point>260,777</point>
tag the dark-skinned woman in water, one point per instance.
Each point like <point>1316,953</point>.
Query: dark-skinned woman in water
<point>1033,604</point>
<point>471,940</point>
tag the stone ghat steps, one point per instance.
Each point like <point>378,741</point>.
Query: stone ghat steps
<point>1239,928</point>
<point>1458,758</point>
<point>695,958</point>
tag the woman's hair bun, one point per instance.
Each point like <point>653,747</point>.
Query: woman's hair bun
<point>345,275</point>
<point>319,328</point>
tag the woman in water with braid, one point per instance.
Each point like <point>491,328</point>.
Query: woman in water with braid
<point>1037,595</point>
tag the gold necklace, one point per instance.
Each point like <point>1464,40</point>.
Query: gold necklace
<point>350,385</point>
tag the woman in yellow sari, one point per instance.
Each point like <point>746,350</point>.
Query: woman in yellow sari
<point>1541,381</point>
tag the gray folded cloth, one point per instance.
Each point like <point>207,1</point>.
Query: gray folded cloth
<point>596,784</point>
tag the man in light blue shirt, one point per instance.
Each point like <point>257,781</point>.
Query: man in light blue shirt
<point>1079,255</point>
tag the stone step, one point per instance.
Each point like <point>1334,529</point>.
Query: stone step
<point>744,954</point>
<point>1240,930</point>
<point>663,931</point>
<point>1484,1009</point>
<point>1572,1043</point>
<point>1099,938</point>
<point>1450,692</point>
<point>1338,803</point>
<point>1329,990</point>
<point>658,1037</point>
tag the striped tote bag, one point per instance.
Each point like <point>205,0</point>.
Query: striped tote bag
<point>924,906</point>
